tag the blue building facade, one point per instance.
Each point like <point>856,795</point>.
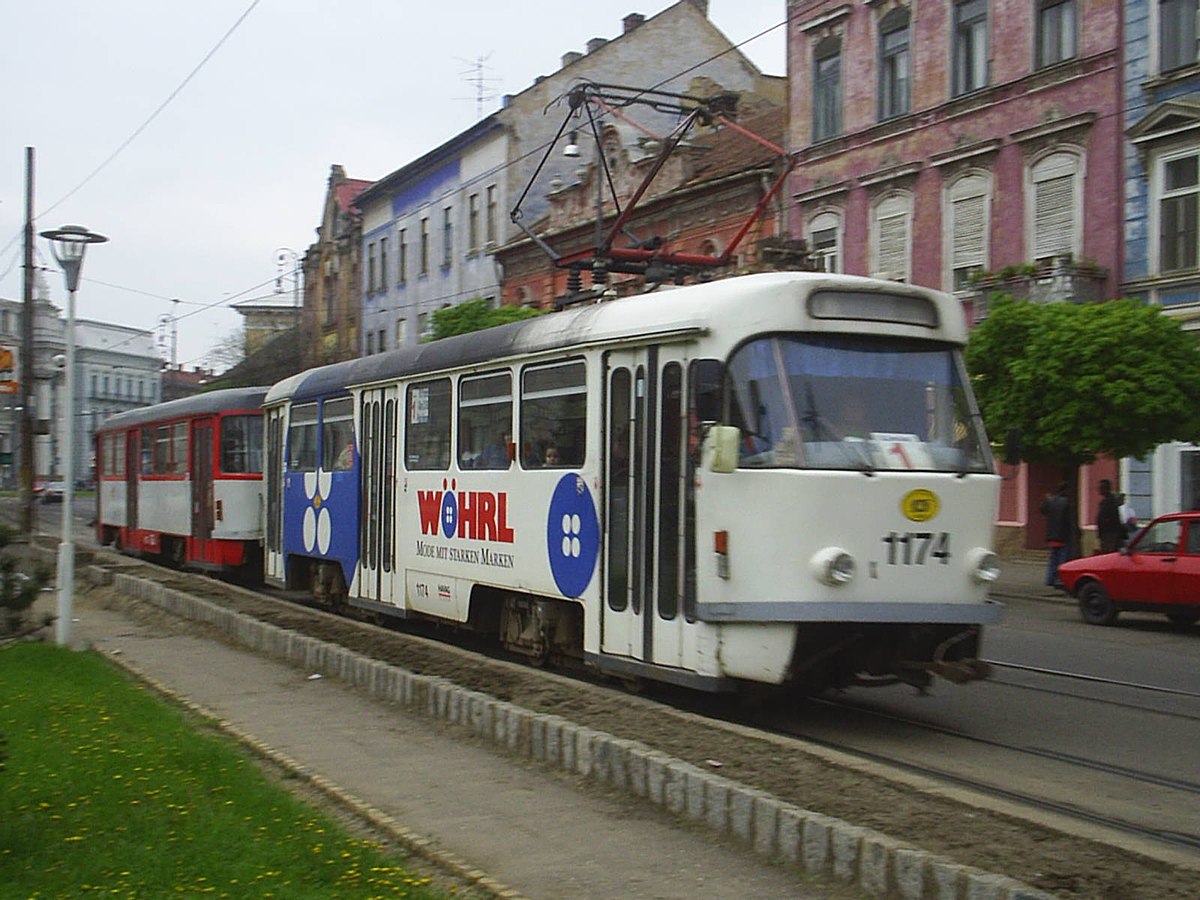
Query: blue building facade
<point>1162,209</point>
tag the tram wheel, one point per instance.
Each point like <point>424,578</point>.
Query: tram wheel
<point>1095,605</point>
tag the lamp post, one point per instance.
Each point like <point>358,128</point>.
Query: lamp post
<point>68,245</point>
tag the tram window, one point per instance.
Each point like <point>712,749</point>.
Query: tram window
<point>241,444</point>
<point>302,438</point>
<point>670,461</point>
<point>618,513</point>
<point>554,415</point>
<point>485,421</point>
<point>707,378</point>
<point>170,449</point>
<point>112,457</point>
<point>337,435</point>
<point>148,451</point>
<point>840,401</point>
<point>427,431</point>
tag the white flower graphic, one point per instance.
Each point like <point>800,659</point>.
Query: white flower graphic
<point>317,525</point>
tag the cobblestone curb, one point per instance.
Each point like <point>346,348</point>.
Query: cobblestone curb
<point>820,845</point>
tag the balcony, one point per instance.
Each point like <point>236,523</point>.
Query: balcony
<point>1061,280</point>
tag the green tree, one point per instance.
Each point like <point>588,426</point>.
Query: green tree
<point>1078,381</point>
<point>1083,380</point>
<point>475,315</point>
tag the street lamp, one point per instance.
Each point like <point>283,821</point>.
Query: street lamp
<point>68,245</point>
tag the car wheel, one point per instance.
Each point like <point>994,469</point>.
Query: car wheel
<point>1183,620</point>
<point>1095,605</point>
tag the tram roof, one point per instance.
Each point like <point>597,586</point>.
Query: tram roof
<point>747,298</point>
<point>196,405</point>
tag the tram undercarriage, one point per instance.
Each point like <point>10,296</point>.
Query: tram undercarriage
<point>843,654</point>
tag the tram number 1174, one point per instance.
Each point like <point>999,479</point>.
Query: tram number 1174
<point>916,548</point>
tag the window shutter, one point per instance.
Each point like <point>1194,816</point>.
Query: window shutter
<point>1054,216</point>
<point>893,248</point>
<point>969,229</point>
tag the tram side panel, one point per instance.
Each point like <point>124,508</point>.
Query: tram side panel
<point>320,499</point>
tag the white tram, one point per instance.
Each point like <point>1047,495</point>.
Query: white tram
<point>777,478</point>
<point>182,481</point>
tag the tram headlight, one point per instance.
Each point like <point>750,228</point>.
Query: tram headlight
<point>833,566</point>
<point>984,565</point>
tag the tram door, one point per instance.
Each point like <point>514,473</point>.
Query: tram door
<point>643,505</point>
<point>377,476</point>
<point>273,487</point>
<point>202,484</point>
<point>133,472</point>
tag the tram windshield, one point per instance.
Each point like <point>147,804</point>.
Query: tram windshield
<point>865,402</point>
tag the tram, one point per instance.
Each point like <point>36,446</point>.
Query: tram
<point>779,479</point>
<point>181,481</point>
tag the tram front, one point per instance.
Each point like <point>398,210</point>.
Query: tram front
<point>850,495</point>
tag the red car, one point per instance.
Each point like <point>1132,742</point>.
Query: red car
<point>1158,572</point>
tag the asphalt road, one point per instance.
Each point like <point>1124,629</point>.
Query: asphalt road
<point>1110,751</point>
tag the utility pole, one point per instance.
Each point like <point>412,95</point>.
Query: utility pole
<point>26,419</point>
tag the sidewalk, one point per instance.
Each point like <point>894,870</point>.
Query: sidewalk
<point>1024,578</point>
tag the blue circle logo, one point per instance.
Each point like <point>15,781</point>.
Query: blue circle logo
<point>449,510</point>
<point>572,535</point>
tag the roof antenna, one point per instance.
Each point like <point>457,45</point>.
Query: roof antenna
<point>476,77</point>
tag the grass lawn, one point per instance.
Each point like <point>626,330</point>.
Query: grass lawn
<point>107,790</point>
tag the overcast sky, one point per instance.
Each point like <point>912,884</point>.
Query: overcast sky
<point>234,167</point>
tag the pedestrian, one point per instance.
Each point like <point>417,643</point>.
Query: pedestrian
<point>1057,510</point>
<point>1108,519</point>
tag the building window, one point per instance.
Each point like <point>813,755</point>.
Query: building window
<point>383,279</point>
<point>824,242</point>
<point>473,224</point>
<point>827,89</point>
<point>371,266</point>
<point>890,242</point>
<point>967,221</point>
<point>1177,35</point>
<point>894,80</point>
<point>489,224</point>
<point>447,238</point>
<point>970,45</point>
<point>424,326</point>
<point>1055,31</point>
<point>370,342</point>
<point>1056,206</point>
<point>425,246</point>
<point>1178,236</point>
<point>402,256</point>
<point>401,332</point>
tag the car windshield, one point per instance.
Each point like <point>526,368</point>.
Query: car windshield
<point>1159,537</point>
<point>820,401</point>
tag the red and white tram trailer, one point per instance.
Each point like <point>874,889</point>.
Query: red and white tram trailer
<point>182,481</point>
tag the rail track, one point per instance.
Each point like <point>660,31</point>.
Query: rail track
<point>1130,799</point>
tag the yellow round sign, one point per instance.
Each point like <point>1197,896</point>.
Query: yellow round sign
<point>920,505</point>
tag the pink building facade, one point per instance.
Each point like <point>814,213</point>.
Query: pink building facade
<point>957,143</point>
